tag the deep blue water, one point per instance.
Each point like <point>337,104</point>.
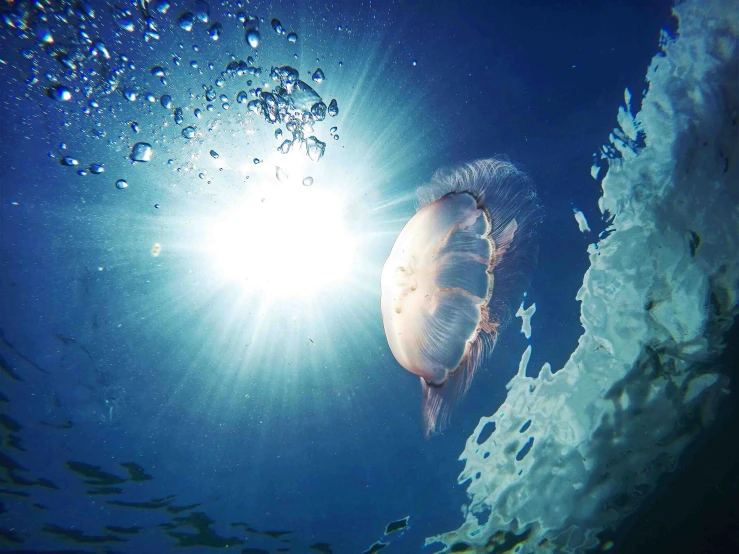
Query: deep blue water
<point>224,402</point>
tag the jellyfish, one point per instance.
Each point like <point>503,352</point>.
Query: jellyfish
<point>442,318</point>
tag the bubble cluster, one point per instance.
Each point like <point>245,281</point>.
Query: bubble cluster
<point>298,106</point>
<point>87,65</point>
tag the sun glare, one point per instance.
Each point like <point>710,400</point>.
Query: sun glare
<point>283,242</point>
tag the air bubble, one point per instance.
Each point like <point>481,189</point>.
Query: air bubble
<point>315,148</point>
<point>201,10</point>
<point>186,21</point>
<point>215,31</point>
<point>252,37</point>
<point>141,152</point>
<point>333,108</point>
<point>60,93</point>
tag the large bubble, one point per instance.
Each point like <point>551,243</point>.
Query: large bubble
<point>473,229</point>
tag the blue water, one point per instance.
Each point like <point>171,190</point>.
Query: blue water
<point>290,415</point>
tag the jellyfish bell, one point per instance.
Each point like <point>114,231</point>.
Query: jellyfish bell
<point>453,273</point>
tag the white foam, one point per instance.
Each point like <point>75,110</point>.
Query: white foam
<point>526,316</point>
<point>655,307</point>
<point>582,223</point>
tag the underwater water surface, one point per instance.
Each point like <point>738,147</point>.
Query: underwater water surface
<point>198,199</point>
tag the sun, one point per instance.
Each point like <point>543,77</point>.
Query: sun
<point>286,240</point>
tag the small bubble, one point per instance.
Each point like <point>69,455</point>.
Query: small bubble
<point>281,174</point>
<point>141,152</point>
<point>315,148</point>
<point>69,161</point>
<point>257,161</point>
<point>121,184</point>
<point>333,108</point>
<point>81,172</point>
<point>186,21</point>
<point>215,31</point>
<point>125,24</point>
<point>96,169</point>
<point>336,137</point>
<point>277,26</point>
<point>166,101</point>
<point>308,181</point>
<point>252,37</point>
<point>318,76</point>
<point>60,93</point>
<point>188,132</point>
<point>156,206</point>
<point>285,146</point>
<point>214,154</point>
<point>202,10</point>
<point>135,127</point>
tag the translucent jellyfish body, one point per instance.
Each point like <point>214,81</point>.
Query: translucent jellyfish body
<point>441,316</point>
